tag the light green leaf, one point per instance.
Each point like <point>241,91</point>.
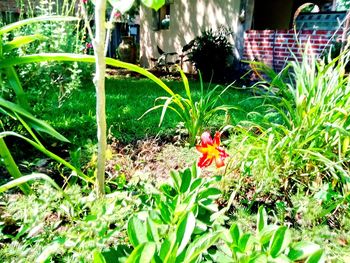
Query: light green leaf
<point>48,252</point>
<point>136,232</point>
<point>280,241</point>
<point>184,231</point>
<point>155,4</point>
<point>266,234</point>
<point>261,219</point>
<point>27,178</point>
<point>201,244</point>
<point>316,257</point>
<point>39,19</point>
<point>21,41</point>
<point>143,253</point>
<point>302,250</point>
<point>176,179</point>
<point>235,234</point>
<point>122,5</point>
<point>152,231</point>
<point>98,257</point>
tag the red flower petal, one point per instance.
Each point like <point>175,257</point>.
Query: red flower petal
<point>204,161</point>
<point>217,138</point>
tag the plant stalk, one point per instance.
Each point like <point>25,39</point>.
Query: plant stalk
<point>99,81</point>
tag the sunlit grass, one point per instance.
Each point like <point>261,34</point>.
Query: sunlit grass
<point>127,100</point>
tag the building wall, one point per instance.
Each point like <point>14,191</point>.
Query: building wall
<point>275,47</point>
<point>188,18</point>
<point>9,6</point>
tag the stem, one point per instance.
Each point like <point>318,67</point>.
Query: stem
<point>99,80</point>
<point>109,30</point>
<point>11,166</point>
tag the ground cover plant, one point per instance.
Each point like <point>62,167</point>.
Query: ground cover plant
<point>289,155</point>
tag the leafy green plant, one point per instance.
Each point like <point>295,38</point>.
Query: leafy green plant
<point>210,53</point>
<point>180,228</point>
<point>302,140</point>
<point>271,243</point>
<point>195,114</point>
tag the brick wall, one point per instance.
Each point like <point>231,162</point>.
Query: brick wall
<point>274,47</point>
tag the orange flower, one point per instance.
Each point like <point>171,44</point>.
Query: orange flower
<point>211,150</point>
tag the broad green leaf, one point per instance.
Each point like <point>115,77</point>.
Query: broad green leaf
<point>280,241</point>
<point>155,4</point>
<point>235,234</point>
<point>261,219</point>
<point>31,120</point>
<point>184,231</point>
<point>316,257</point>
<point>302,250</point>
<point>195,172</point>
<point>245,242</point>
<point>266,234</point>
<point>195,184</point>
<point>21,41</point>
<point>165,249</point>
<point>165,212</point>
<point>143,253</point>
<point>201,244</point>
<point>210,193</point>
<point>98,257</point>
<point>152,231</point>
<point>136,232</point>
<point>176,179</point>
<point>122,5</point>
<point>186,179</point>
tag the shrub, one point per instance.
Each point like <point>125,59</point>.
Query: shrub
<point>211,52</point>
<point>302,140</point>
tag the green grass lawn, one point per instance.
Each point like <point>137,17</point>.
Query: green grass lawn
<point>127,100</point>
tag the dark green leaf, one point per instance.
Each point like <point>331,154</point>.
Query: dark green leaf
<point>245,242</point>
<point>31,120</point>
<point>316,257</point>
<point>235,234</point>
<point>196,183</point>
<point>185,180</point>
<point>280,241</point>
<point>211,193</point>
